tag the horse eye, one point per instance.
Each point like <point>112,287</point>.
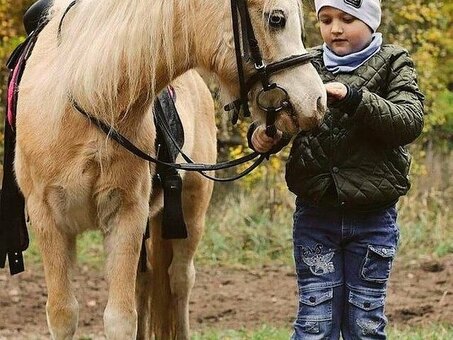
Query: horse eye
<point>277,19</point>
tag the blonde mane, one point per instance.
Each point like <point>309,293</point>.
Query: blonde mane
<point>112,48</point>
<point>109,51</point>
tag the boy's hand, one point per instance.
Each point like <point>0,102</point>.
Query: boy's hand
<point>261,142</point>
<point>335,91</point>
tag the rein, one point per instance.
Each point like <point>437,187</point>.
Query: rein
<point>164,126</point>
<point>190,166</point>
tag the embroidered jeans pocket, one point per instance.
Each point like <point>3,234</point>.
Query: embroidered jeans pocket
<point>314,320</point>
<point>377,264</point>
<point>366,315</point>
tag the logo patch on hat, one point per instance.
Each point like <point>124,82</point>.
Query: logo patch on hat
<point>353,3</point>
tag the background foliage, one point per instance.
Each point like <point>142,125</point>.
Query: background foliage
<point>421,26</point>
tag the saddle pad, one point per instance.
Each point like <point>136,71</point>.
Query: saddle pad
<point>16,64</point>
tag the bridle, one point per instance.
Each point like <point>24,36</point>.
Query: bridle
<point>243,30</point>
<point>263,72</point>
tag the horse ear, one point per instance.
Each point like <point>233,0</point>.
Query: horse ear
<point>228,39</point>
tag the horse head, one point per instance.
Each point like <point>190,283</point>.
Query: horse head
<point>288,93</point>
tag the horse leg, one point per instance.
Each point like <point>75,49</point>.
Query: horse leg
<point>58,255</point>
<point>173,276</point>
<point>125,228</point>
<point>196,197</point>
<point>143,302</point>
<point>182,279</point>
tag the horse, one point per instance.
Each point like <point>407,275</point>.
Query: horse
<point>112,57</point>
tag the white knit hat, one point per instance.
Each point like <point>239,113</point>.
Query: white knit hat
<point>369,11</point>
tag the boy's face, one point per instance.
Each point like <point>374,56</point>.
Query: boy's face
<point>343,33</point>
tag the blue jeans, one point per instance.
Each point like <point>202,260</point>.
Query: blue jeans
<point>343,261</point>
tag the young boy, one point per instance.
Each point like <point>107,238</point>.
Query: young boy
<point>349,173</point>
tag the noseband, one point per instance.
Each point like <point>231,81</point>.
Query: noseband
<point>242,27</point>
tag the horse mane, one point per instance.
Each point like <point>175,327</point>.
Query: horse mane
<point>109,51</point>
<point>112,48</point>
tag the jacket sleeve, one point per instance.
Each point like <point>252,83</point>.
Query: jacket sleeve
<point>396,119</point>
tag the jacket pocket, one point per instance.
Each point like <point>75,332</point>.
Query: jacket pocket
<point>377,264</point>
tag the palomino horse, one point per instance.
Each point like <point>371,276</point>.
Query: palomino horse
<point>112,57</point>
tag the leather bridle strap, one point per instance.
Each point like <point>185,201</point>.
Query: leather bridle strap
<point>60,25</point>
<point>242,25</point>
<point>236,105</point>
<point>280,66</point>
<point>128,145</point>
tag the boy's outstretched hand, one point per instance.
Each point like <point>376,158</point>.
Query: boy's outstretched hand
<point>335,91</point>
<point>261,142</point>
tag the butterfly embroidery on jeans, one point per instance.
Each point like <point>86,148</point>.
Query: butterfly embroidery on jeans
<point>320,264</point>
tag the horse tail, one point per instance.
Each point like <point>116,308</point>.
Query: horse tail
<point>163,320</point>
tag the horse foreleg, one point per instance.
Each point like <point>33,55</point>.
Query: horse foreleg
<point>58,255</point>
<point>143,301</point>
<point>196,196</point>
<point>182,279</point>
<point>182,269</point>
<point>123,245</point>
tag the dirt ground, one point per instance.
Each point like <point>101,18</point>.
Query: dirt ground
<point>420,292</point>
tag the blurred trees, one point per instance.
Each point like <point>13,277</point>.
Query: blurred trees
<point>11,34</point>
<point>421,26</point>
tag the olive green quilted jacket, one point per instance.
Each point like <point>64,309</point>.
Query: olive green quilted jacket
<point>357,160</point>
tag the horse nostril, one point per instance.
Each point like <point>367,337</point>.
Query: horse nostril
<point>319,106</point>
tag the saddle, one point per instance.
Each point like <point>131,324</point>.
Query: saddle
<point>170,138</point>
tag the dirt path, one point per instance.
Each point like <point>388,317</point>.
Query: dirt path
<point>419,293</point>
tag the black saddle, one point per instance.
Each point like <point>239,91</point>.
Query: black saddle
<point>35,14</point>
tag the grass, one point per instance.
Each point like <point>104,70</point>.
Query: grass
<point>89,250</point>
<point>426,214</point>
<point>431,332</point>
<point>254,227</point>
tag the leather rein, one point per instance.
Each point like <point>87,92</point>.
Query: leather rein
<point>242,26</point>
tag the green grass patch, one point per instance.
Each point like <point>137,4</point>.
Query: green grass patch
<point>254,227</point>
<point>242,228</point>
<point>431,332</point>
<point>264,333</point>
<point>89,250</point>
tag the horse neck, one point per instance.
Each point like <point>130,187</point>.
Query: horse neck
<point>113,52</point>
<point>213,41</point>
